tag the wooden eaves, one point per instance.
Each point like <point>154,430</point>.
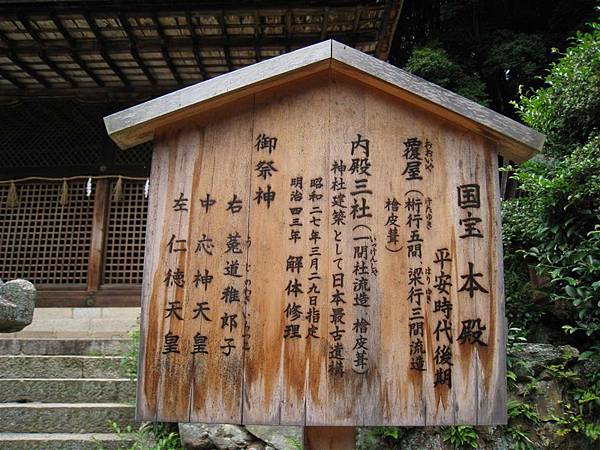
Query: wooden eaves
<point>137,124</point>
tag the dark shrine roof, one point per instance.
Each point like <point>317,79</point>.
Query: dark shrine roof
<point>129,50</point>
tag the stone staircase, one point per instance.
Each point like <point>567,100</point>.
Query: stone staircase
<point>63,393</point>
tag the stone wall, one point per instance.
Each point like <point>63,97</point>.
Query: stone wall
<point>542,381</point>
<point>80,323</point>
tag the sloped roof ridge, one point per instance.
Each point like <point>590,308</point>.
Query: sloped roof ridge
<point>336,54</point>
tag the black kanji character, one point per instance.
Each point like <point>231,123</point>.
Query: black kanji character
<point>469,196</point>
<point>171,343</point>
<point>203,279</point>
<point>200,310</point>
<point>234,205</point>
<point>180,204</point>
<point>204,245</point>
<point>471,284</point>
<point>173,309</point>
<point>207,202</point>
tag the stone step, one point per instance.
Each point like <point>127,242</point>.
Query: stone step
<point>64,417</point>
<point>30,366</point>
<point>22,346</point>
<point>67,390</point>
<point>64,441</point>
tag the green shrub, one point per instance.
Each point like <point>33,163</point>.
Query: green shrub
<point>461,436</point>
<point>561,235</point>
<point>129,360</point>
<point>568,108</point>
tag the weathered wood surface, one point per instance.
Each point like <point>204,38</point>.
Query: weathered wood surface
<point>440,101</point>
<point>271,379</point>
<point>329,438</point>
<point>94,277</point>
<point>138,123</point>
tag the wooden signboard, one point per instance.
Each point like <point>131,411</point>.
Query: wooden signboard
<point>323,247</point>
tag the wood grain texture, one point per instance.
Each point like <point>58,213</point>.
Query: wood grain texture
<point>284,375</point>
<point>329,438</point>
<point>94,278</point>
<point>436,97</point>
<point>135,125</point>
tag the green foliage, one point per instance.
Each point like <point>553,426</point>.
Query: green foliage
<point>555,227</point>
<point>294,442</point>
<point>520,439</point>
<point>461,436</point>
<point>515,339</point>
<point>522,410</point>
<point>151,436</point>
<point>129,360</point>
<point>567,109</point>
<point>380,437</point>
<point>575,421</point>
<point>514,58</point>
<point>436,66</point>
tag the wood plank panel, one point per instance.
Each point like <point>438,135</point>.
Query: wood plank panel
<point>368,274</point>
<point>175,278</point>
<point>220,236</point>
<point>166,364</point>
<point>463,171</point>
<point>277,363</point>
<point>492,388</point>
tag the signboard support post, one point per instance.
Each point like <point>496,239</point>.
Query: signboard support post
<point>329,438</point>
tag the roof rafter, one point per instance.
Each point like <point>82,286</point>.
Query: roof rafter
<point>42,54</point>
<point>11,79</point>
<point>134,51</point>
<point>74,56</point>
<point>164,50</point>
<point>153,44</point>
<point>221,19</point>
<point>98,35</point>
<point>103,45</point>
<point>197,55</point>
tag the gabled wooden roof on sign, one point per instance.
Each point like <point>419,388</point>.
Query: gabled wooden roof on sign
<point>137,124</point>
<point>117,49</point>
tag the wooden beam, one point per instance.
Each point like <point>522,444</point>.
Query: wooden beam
<point>389,22</point>
<point>197,55</point>
<point>64,298</point>
<point>93,47</point>
<point>257,34</point>
<point>95,262</point>
<point>288,31</point>
<point>103,52</point>
<point>134,51</point>
<point>7,76</point>
<point>221,19</point>
<point>324,24</point>
<point>42,54</point>
<point>164,49</point>
<point>357,14</point>
<point>96,93</point>
<point>74,56</point>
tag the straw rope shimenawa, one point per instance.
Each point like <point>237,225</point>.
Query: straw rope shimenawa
<point>12,199</point>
